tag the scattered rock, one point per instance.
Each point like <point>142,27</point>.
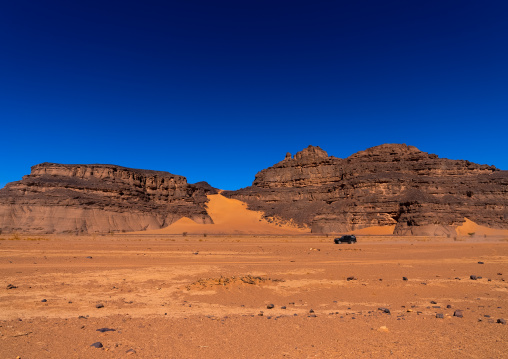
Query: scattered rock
<point>100,305</point>
<point>404,278</point>
<point>97,345</point>
<point>270,306</point>
<point>383,329</point>
<point>130,351</point>
<point>501,321</point>
<point>11,286</point>
<point>440,315</point>
<point>311,311</point>
<point>89,257</point>
<point>44,300</point>
<point>102,330</point>
<point>448,306</point>
<point>458,314</point>
<point>473,277</point>
<point>481,263</point>
<point>433,302</point>
<point>384,310</point>
<point>283,307</point>
<point>351,278</point>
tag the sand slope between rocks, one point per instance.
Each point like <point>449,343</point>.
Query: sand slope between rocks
<point>230,216</point>
<point>470,228</point>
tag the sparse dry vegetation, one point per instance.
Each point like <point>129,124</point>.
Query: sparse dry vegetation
<point>17,237</point>
<point>230,281</point>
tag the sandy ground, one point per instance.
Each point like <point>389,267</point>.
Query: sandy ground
<point>193,296</point>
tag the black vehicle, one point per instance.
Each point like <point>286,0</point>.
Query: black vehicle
<point>345,239</point>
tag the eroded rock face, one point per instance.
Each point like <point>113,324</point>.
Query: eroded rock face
<point>58,198</point>
<point>391,184</point>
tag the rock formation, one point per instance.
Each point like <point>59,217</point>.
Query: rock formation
<point>391,184</point>
<point>58,198</point>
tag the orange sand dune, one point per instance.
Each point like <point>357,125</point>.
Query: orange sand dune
<point>470,227</point>
<point>230,216</point>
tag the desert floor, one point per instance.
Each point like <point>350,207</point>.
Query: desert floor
<point>169,296</point>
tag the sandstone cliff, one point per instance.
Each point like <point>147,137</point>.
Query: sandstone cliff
<point>420,193</point>
<point>393,184</point>
<point>58,198</point>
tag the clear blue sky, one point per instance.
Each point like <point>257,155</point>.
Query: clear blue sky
<point>219,90</point>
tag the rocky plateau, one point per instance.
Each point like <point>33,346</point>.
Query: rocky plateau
<point>97,198</point>
<point>389,185</point>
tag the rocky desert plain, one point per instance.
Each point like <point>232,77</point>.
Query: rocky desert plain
<point>102,261</point>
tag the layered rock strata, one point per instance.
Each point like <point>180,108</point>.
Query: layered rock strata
<point>58,198</point>
<point>391,184</point>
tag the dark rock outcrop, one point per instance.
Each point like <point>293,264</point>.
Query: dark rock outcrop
<point>391,184</point>
<point>58,198</point>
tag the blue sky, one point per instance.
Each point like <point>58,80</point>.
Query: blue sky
<point>219,90</point>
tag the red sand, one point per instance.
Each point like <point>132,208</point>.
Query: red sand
<point>186,297</point>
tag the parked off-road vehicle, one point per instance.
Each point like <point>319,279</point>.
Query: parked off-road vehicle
<point>345,239</point>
